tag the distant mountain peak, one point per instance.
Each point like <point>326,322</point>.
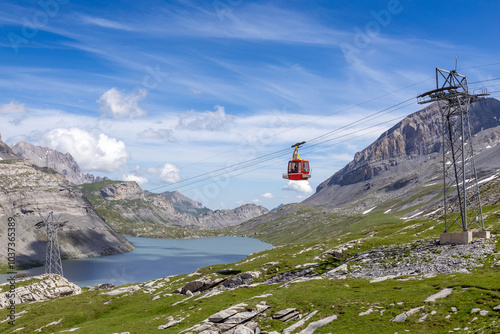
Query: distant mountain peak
<point>6,152</point>
<point>64,163</point>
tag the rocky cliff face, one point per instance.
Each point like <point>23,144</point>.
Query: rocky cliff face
<point>5,151</point>
<point>122,191</point>
<point>408,154</point>
<point>26,191</point>
<point>417,135</point>
<point>183,204</point>
<point>47,157</point>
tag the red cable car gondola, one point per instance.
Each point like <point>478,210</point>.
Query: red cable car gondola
<point>298,169</point>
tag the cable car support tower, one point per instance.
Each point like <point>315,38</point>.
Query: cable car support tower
<point>462,203</point>
<point>53,264</point>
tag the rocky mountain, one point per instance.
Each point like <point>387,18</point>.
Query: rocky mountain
<point>133,211</point>
<point>6,152</point>
<point>184,204</point>
<point>26,191</point>
<point>232,217</point>
<point>405,157</point>
<point>63,163</point>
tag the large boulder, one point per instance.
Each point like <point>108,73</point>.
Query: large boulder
<point>44,287</point>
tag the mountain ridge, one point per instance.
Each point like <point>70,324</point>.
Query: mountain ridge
<point>26,191</point>
<point>64,163</point>
<point>133,211</point>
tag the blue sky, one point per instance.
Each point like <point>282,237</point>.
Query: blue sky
<point>163,91</point>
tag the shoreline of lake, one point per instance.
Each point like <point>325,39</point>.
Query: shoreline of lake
<point>154,258</point>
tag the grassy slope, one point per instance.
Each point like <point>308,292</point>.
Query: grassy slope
<point>139,313</point>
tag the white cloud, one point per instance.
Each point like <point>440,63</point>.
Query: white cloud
<point>302,187</point>
<point>105,23</point>
<point>13,108</point>
<point>216,120</point>
<point>256,200</point>
<point>92,150</point>
<point>168,173</point>
<point>150,133</point>
<point>136,178</point>
<point>267,195</point>
<point>115,104</point>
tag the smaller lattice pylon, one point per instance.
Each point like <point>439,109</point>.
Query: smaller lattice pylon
<point>53,263</point>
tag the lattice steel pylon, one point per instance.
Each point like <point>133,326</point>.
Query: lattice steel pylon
<point>53,264</point>
<point>462,202</point>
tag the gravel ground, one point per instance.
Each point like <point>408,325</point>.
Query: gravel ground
<point>419,257</point>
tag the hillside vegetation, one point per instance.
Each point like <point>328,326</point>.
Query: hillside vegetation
<point>325,279</point>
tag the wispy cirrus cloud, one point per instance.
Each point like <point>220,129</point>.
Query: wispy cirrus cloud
<point>105,23</point>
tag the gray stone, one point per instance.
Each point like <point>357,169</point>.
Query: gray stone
<point>400,317</point>
<point>239,280</point>
<point>288,276</point>
<point>104,286</point>
<point>241,317</point>
<point>299,323</point>
<point>282,313</point>
<point>242,329</point>
<point>441,294</point>
<point>169,324</point>
<point>496,308</point>
<point>422,319</point>
<point>199,285</point>
<point>290,316</point>
<point>222,315</point>
<point>475,310</point>
<point>261,307</point>
<point>317,324</point>
<point>414,310</point>
<point>370,310</point>
<point>203,327</point>
<point>126,289</point>
<point>210,331</point>
<point>225,327</point>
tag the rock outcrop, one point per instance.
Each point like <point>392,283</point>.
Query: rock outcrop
<point>6,152</point>
<point>26,191</point>
<point>122,191</point>
<point>63,163</point>
<point>183,204</point>
<point>419,134</point>
<point>44,287</point>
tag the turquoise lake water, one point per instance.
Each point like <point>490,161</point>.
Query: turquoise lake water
<point>155,258</point>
